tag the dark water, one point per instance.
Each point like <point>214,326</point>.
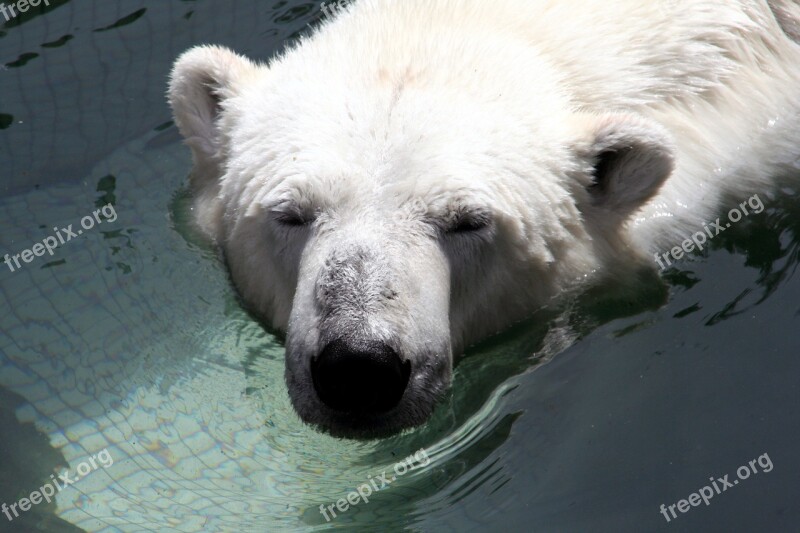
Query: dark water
<point>129,339</point>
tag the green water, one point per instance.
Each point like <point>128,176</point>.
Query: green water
<point>130,339</point>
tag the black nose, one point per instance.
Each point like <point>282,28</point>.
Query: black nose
<point>360,377</point>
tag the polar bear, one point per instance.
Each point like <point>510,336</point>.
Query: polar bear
<point>419,174</point>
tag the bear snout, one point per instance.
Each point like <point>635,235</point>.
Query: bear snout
<point>360,377</point>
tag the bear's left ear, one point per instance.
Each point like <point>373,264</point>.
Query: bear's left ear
<point>630,158</point>
<point>201,80</point>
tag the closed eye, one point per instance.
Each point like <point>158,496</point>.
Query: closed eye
<point>290,220</point>
<point>469,222</point>
<point>291,217</point>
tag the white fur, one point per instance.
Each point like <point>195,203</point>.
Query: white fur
<point>396,116</point>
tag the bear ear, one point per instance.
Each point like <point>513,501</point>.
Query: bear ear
<point>201,80</point>
<point>630,158</point>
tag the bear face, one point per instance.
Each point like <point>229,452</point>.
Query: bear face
<point>384,228</point>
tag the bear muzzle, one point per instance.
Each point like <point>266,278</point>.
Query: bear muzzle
<point>360,377</point>
<point>368,351</point>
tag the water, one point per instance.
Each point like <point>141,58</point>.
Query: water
<point>130,339</point>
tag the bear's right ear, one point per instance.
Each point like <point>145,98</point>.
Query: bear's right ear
<point>202,79</point>
<point>630,158</point>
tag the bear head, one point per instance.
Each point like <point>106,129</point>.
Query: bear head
<point>387,220</point>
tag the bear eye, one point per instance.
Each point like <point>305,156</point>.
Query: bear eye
<point>470,222</point>
<point>291,218</point>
